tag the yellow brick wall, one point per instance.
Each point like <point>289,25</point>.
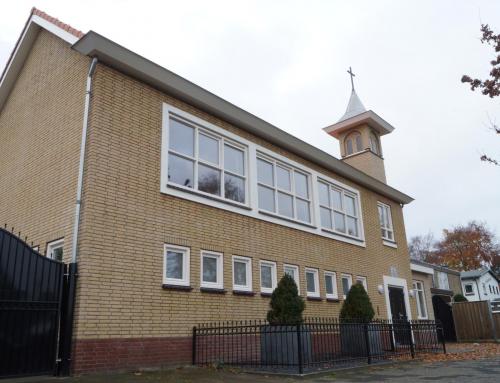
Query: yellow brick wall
<point>40,134</point>
<point>126,221</point>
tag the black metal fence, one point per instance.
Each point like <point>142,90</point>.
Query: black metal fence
<point>316,344</point>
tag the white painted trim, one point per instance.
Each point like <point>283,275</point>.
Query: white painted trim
<point>315,272</point>
<point>267,290</point>
<point>252,209</point>
<point>396,282</point>
<point>219,261</point>
<point>51,246</point>
<point>333,275</point>
<point>248,261</point>
<point>390,244</point>
<point>52,28</point>
<point>186,251</point>
<point>416,290</point>
<point>421,269</point>
<point>296,277</point>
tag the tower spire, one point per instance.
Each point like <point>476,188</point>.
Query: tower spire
<point>351,73</point>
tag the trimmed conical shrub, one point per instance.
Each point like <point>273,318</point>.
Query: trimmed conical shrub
<point>286,304</point>
<point>357,305</point>
<point>459,298</point>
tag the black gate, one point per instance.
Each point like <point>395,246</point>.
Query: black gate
<point>443,313</point>
<point>31,306</point>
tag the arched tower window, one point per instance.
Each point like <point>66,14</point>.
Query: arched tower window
<point>353,143</point>
<point>374,146</point>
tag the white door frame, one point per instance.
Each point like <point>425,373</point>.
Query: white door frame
<point>396,282</point>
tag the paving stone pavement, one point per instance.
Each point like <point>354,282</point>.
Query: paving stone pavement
<point>470,371</point>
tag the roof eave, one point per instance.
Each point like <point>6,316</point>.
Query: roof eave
<point>134,65</point>
<point>369,117</point>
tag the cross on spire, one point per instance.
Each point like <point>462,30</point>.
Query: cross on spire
<point>351,73</point>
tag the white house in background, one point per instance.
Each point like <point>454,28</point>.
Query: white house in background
<point>480,285</point>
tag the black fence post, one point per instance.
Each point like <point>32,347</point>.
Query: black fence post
<point>67,314</point>
<point>299,346</point>
<point>410,335</point>
<point>194,346</point>
<point>367,343</point>
<point>442,337</point>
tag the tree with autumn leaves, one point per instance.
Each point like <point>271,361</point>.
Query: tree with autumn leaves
<point>463,248</point>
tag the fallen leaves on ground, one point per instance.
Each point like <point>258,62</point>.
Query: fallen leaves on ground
<point>464,351</point>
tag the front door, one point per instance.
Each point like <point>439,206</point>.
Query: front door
<point>398,313</point>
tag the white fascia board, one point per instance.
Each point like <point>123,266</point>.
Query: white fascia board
<point>421,269</point>
<point>52,28</point>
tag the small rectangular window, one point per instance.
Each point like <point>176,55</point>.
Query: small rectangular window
<point>55,250</point>
<point>362,281</point>
<point>267,276</point>
<point>385,218</point>
<point>212,270</point>
<point>242,273</point>
<point>469,289</point>
<point>312,282</point>
<point>420,295</point>
<point>293,271</point>
<point>176,265</point>
<point>331,285</point>
<point>346,284</point>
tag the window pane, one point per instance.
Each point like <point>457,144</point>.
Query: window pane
<point>329,284</point>
<point>210,269</point>
<point>234,188</point>
<point>265,172</point>
<point>240,273</point>
<point>337,199</point>
<point>303,211</point>
<point>181,138</point>
<point>208,149</point>
<point>389,235</point>
<point>311,287</point>
<point>283,178</point>
<point>381,215</point>
<point>174,264</point>
<point>324,194</point>
<point>339,222</point>
<point>326,217</point>
<point>266,278</point>
<point>350,205</point>
<point>208,179</point>
<point>180,170</point>
<point>285,205</point>
<point>359,146</point>
<point>345,286</point>
<point>266,199</point>
<point>234,160</point>
<point>290,271</point>
<point>57,254</point>
<point>301,188</point>
<point>421,303</point>
<point>352,226</point>
<point>349,146</point>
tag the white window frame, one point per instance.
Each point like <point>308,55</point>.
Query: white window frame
<point>421,289</point>
<point>349,278</point>
<point>196,160</point>
<point>53,245</point>
<point>438,274</point>
<point>251,208</point>
<point>362,279</point>
<point>266,290</point>
<point>186,251</point>
<point>248,262</point>
<point>472,289</point>
<point>316,293</point>
<point>335,294</point>
<point>291,193</point>
<point>343,193</point>
<point>219,258</point>
<point>386,227</point>
<point>296,276</point>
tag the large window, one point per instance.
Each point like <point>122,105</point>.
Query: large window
<point>242,273</point>
<point>339,209</point>
<point>211,270</point>
<point>209,163</point>
<point>176,265</point>
<point>331,285</point>
<point>283,190</point>
<point>421,304</point>
<point>385,218</point>
<point>442,280</point>
<point>312,282</point>
<point>267,276</point>
<point>346,284</point>
<point>55,250</point>
<point>292,271</point>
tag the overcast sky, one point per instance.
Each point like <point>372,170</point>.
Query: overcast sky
<point>286,61</point>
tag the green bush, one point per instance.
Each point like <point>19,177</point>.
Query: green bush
<point>286,304</point>
<point>459,298</point>
<point>357,305</point>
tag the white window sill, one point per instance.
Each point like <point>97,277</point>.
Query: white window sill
<point>390,244</point>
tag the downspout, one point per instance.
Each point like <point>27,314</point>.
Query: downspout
<point>78,204</point>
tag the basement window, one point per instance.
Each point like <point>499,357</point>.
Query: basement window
<point>55,250</point>
<point>346,284</point>
<point>312,282</point>
<point>242,273</point>
<point>176,265</point>
<point>331,285</point>
<point>267,276</point>
<point>293,271</point>
<point>211,270</point>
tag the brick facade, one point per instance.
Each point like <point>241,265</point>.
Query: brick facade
<point>124,318</point>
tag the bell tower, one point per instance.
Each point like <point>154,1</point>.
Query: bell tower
<point>359,132</point>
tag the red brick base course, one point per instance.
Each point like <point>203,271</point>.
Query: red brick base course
<point>97,355</point>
